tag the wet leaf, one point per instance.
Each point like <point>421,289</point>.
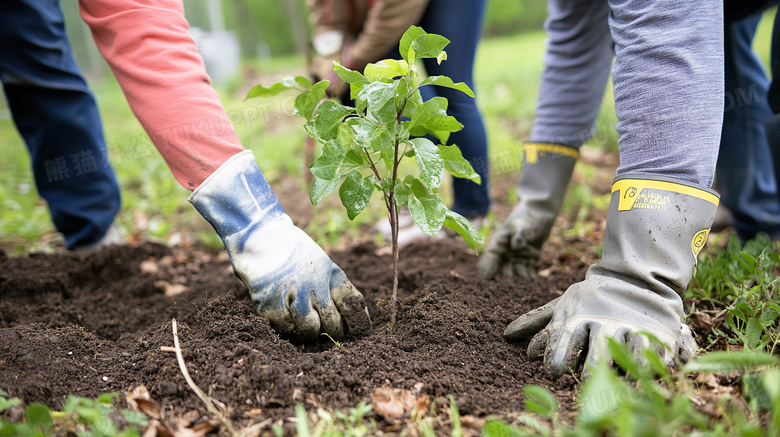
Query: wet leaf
<point>324,127</point>
<point>322,188</point>
<point>464,228</point>
<point>386,69</point>
<point>287,83</point>
<point>355,193</point>
<point>429,45</point>
<point>448,83</point>
<point>307,101</point>
<point>429,161</point>
<point>405,45</point>
<point>328,164</point>
<point>457,165</point>
<point>431,118</point>
<point>380,100</point>
<point>426,209</point>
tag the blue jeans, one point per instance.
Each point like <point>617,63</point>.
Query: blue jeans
<point>744,174</point>
<point>58,118</point>
<point>667,78</point>
<point>460,21</point>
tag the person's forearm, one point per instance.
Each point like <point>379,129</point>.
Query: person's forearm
<point>386,23</point>
<point>154,58</point>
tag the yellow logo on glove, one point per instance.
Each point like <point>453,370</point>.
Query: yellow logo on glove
<point>698,241</point>
<point>650,194</point>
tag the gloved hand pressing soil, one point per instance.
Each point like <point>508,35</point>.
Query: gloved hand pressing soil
<point>295,284</point>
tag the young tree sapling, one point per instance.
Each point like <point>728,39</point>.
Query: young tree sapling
<point>365,145</point>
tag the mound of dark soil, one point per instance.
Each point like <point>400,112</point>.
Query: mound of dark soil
<point>88,326</point>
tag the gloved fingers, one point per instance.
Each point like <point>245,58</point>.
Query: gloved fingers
<point>688,346</point>
<point>637,343</point>
<point>523,268</point>
<point>598,348</point>
<point>305,318</point>
<point>538,344</point>
<point>564,349</point>
<point>331,322</point>
<point>531,322</point>
<point>350,304</point>
<point>492,259</point>
<point>489,263</point>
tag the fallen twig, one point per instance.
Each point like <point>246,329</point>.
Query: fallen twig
<point>206,399</point>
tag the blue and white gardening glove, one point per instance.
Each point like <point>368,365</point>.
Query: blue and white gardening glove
<point>294,283</point>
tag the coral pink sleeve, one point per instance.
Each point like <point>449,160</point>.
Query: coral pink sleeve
<point>149,48</point>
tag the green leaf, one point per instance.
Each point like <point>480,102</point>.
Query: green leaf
<point>135,417</point>
<point>497,428</point>
<point>302,81</point>
<point>325,125</point>
<point>405,45</point>
<point>768,316</point>
<point>457,431</point>
<point>322,188</point>
<point>465,229</point>
<point>370,135</point>
<point>431,118</point>
<point>8,403</point>
<point>107,398</point>
<point>380,100</point>
<point>401,193</point>
<point>447,82</point>
<point>412,103</point>
<point>429,161</point>
<point>724,362</point>
<point>347,75</point>
<point>287,83</point>
<point>623,358</point>
<point>38,416</point>
<point>307,101</point>
<point>655,362</point>
<point>355,80</point>
<point>598,397</point>
<point>457,165</point>
<point>386,69</point>
<point>355,158</point>
<point>355,193</point>
<point>754,331</point>
<point>429,45</point>
<point>540,401</point>
<point>426,209</point>
<point>328,164</point>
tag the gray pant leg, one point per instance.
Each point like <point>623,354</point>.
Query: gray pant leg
<point>668,80</point>
<point>577,63</point>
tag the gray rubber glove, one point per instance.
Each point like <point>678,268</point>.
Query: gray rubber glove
<point>294,283</point>
<point>655,229</point>
<point>515,247</point>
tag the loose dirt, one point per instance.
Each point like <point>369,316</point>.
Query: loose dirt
<point>88,326</point>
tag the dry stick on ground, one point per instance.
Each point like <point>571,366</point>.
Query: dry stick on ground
<point>206,399</point>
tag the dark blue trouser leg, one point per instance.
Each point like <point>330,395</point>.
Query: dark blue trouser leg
<point>460,21</point>
<point>745,175</point>
<point>58,118</point>
<point>773,124</point>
